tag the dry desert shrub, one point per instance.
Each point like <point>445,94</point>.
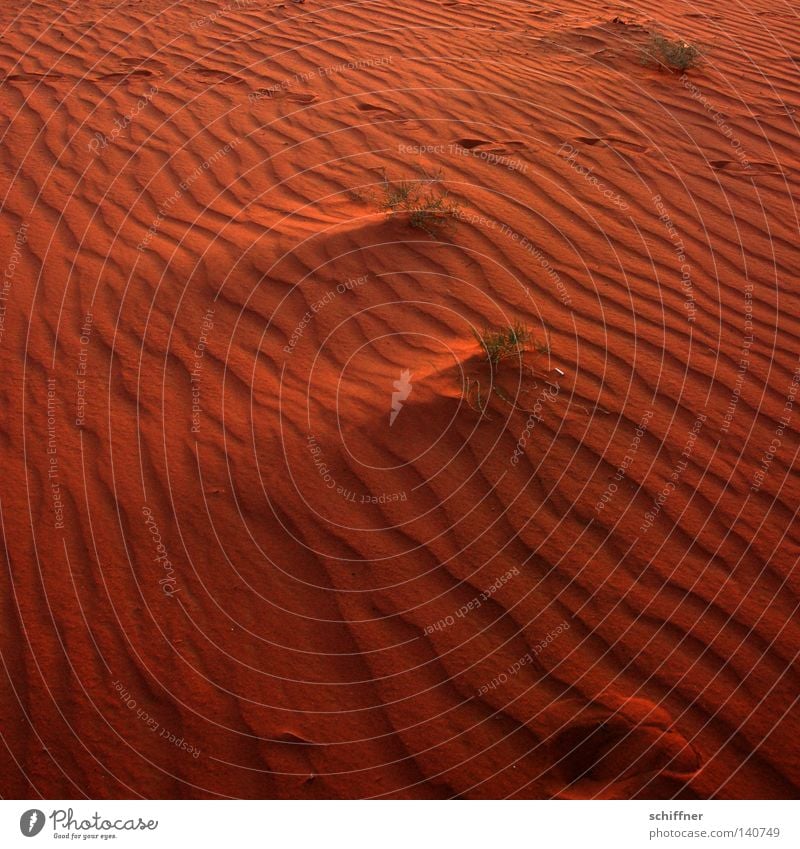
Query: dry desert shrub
<point>511,341</point>
<point>501,344</point>
<point>422,201</point>
<point>673,54</point>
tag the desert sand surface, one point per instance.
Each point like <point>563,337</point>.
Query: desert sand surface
<point>274,524</point>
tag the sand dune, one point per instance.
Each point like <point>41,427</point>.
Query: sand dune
<point>274,527</point>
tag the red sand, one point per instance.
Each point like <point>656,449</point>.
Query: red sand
<point>451,605</point>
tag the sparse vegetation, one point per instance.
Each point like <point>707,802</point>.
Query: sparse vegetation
<point>426,205</point>
<point>502,344</point>
<point>511,341</point>
<point>676,55</point>
<point>471,393</point>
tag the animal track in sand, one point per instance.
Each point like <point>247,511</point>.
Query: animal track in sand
<point>380,113</point>
<point>505,148</point>
<point>210,75</point>
<point>278,93</point>
<point>301,97</point>
<point>731,166</point>
<point>114,76</point>
<point>614,143</point>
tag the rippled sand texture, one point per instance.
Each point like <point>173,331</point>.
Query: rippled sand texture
<point>260,541</point>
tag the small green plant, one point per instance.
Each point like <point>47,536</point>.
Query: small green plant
<point>507,343</point>
<point>427,206</point>
<point>499,345</point>
<point>674,54</point>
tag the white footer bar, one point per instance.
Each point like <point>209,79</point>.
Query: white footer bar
<point>401,824</point>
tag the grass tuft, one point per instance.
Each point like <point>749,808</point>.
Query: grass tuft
<point>673,54</point>
<point>426,206</point>
<point>511,341</point>
<point>499,345</point>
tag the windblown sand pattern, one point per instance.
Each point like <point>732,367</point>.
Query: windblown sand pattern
<point>274,526</point>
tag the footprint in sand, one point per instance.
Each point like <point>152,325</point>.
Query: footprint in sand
<point>213,77</point>
<point>612,743</point>
<point>613,142</point>
<point>504,148</point>
<point>301,97</point>
<point>370,107</point>
<point>380,113</point>
<point>470,144</point>
<point>731,166</point>
<point>278,93</point>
